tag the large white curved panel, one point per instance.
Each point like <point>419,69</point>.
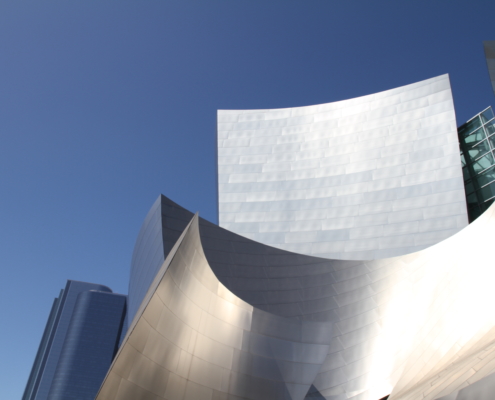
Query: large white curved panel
<point>366,178</point>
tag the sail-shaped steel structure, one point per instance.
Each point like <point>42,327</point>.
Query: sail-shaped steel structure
<point>366,178</point>
<point>414,326</point>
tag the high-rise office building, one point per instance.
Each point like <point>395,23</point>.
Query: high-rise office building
<point>80,339</point>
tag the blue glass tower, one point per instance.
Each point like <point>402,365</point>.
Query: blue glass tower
<point>79,342</point>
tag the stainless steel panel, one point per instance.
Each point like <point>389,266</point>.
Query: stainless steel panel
<point>409,130</point>
<point>415,324</point>
<point>190,334</point>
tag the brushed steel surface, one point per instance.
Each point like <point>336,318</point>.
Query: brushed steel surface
<point>286,175</point>
<point>192,338</point>
<point>405,325</point>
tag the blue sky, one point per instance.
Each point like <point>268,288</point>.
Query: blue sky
<point>106,104</point>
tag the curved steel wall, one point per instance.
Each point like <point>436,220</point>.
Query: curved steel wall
<point>161,228</point>
<point>479,390</point>
<point>366,178</point>
<point>147,258</point>
<point>489,47</point>
<point>412,324</point>
<point>194,339</point>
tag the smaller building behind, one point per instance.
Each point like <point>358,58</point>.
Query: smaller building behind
<point>81,338</point>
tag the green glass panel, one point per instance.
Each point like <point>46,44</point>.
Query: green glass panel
<point>487,115</point>
<point>487,204</point>
<point>480,149</point>
<point>469,187</point>
<point>476,137</point>
<point>470,126</point>
<point>487,192</point>
<point>492,141</point>
<point>483,163</point>
<point>486,176</point>
<point>472,199</point>
<point>465,173</point>
<point>463,160</point>
<point>490,128</point>
<point>474,213</point>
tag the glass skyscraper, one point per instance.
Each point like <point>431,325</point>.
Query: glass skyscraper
<point>80,340</point>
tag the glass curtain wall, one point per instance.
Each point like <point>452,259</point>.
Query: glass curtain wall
<point>477,141</point>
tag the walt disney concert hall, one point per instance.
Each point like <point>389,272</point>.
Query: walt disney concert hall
<point>344,265</point>
<point>352,261</point>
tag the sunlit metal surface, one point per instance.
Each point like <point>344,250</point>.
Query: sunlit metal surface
<point>483,389</point>
<point>415,326</point>
<point>367,178</point>
<point>193,339</point>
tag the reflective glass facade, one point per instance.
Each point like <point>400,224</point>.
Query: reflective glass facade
<point>477,142</point>
<point>40,360</point>
<point>80,339</point>
<point>89,346</point>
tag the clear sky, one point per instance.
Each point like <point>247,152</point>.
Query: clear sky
<point>106,104</point>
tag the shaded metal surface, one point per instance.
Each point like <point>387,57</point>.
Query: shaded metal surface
<point>489,47</point>
<point>147,257</point>
<point>366,178</point>
<point>194,339</point>
<point>399,322</point>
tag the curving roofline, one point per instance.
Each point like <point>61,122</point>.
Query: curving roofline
<point>400,323</point>
<point>192,335</point>
<point>372,177</point>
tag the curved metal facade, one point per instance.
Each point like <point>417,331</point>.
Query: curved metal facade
<point>416,326</point>
<point>147,258</point>
<point>489,47</point>
<point>161,228</point>
<point>479,390</point>
<point>193,339</point>
<point>366,178</point>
